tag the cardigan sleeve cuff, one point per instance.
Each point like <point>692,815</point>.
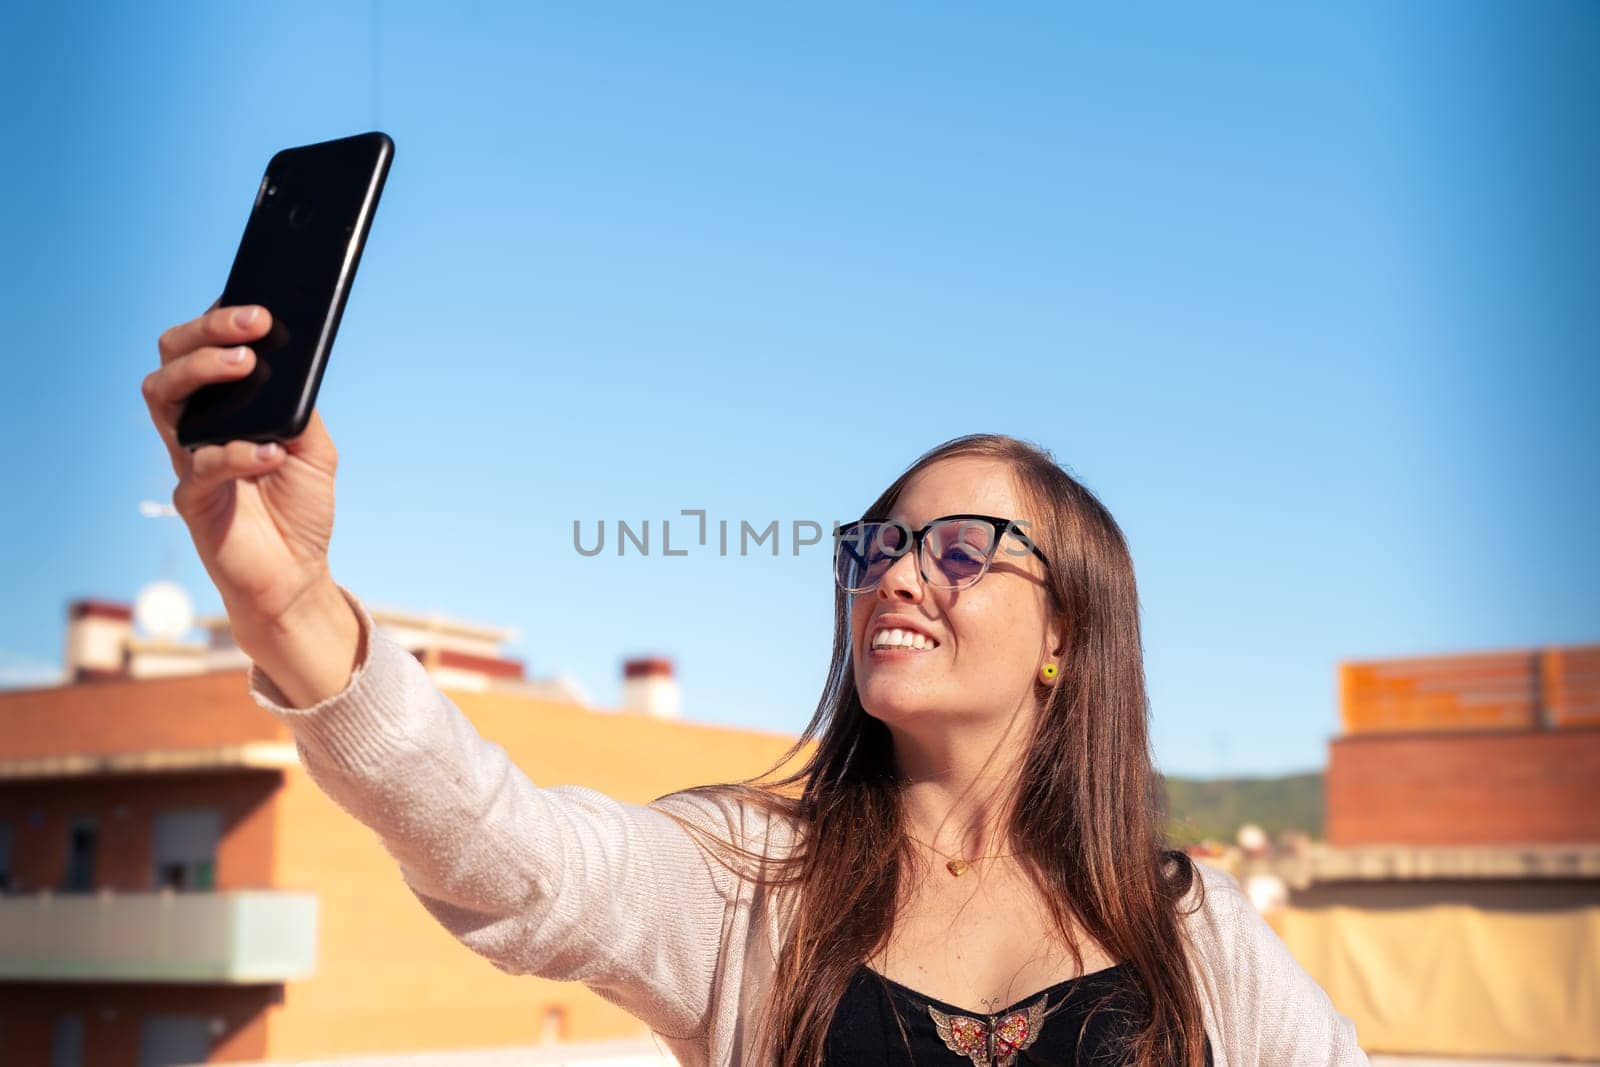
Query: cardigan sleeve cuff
<point>364,723</point>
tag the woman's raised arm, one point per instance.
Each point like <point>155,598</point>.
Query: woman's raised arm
<point>563,882</point>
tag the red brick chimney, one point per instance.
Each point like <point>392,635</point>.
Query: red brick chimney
<point>648,687</point>
<point>97,639</point>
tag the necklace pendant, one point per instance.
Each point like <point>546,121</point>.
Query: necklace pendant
<point>957,867</point>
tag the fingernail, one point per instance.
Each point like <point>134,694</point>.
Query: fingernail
<point>243,316</point>
<point>267,451</point>
<point>234,355</point>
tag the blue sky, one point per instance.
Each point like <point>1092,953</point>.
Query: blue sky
<point>1307,297</point>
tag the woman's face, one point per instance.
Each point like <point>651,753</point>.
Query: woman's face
<point>991,638</point>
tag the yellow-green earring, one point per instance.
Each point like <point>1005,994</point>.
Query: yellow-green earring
<point>1047,672</point>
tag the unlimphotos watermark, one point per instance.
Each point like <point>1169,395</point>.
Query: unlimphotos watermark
<point>890,537</point>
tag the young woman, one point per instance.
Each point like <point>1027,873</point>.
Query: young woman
<point>968,867</point>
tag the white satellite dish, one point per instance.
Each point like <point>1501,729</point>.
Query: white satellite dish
<point>164,610</point>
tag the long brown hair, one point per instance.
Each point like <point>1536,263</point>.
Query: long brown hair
<point>1087,814</point>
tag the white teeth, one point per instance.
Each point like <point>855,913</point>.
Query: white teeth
<point>902,639</point>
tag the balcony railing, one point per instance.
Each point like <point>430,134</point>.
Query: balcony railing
<point>234,937</point>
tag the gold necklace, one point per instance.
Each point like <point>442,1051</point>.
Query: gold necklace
<point>958,866</point>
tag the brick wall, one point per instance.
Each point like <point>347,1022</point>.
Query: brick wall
<point>1480,788</point>
<point>124,809</point>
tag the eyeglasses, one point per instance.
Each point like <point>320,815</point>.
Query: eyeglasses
<point>953,551</point>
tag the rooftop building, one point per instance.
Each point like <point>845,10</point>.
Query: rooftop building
<point>176,889</point>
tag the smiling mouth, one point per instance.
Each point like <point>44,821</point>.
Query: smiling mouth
<point>894,640</point>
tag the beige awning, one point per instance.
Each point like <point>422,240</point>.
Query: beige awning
<point>255,755</point>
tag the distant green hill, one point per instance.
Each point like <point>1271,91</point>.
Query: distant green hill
<point>1200,808</point>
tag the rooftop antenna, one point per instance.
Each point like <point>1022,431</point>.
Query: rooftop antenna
<point>151,509</point>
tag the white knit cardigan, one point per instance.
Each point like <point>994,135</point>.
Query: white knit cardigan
<point>568,883</point>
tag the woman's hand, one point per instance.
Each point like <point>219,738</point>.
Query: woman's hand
<point>260,522</point>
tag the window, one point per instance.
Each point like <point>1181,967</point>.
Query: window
<point>185,843</point>
<point>66,1043</point>
<point>165,1040</point>
<point>5,857</point>
<point>553,1027</point>
<point>80,855</point>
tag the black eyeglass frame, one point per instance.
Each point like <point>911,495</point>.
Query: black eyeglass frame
<point>1001,525</point>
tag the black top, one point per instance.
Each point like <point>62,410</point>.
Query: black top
<point>1039,1029</point>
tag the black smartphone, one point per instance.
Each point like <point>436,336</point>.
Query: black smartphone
<point>298,259</point>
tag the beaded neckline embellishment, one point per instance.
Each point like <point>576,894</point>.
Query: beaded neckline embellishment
<point>993,1041</point>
